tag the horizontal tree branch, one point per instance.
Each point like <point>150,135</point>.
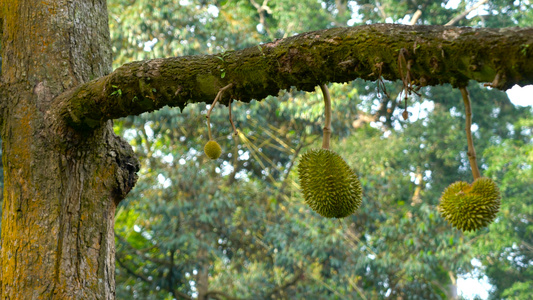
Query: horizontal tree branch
<point>219,295</point>
<point>293,281</point>
<point>130,271</point>
<point>430,55</point>
<point>142,254</point>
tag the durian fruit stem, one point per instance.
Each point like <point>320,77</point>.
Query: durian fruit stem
<point>471,150</point>
<point>209,129</point>
<point>208,116</point>
<point>327,112</point>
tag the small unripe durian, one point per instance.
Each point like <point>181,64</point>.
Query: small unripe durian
<point>212,149</point>
<point>470,207</point>
<point>328,184</point>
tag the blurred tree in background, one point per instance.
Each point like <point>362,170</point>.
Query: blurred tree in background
<point>237,227</point>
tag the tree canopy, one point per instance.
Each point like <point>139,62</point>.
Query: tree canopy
<point>238,228</point>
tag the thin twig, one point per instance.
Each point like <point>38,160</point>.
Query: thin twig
<point>234,160</point>
<point>407,85</point>
<point>231,119</point>
<point>471,151</point>
<point>327,112</point>
<point>130,271</point>
<point>466,12</point>
<point>216,295</point>
<point>235,148</point>
<point>286,179</point>
<point>287,284</point>
<point>208,116</point>
<point>357,289</point>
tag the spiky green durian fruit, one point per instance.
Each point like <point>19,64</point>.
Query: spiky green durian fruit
<point>212,149</point>
<point>328,184</point>
<point>470,207</point>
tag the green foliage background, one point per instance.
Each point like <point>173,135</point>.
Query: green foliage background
<point>237,227</point>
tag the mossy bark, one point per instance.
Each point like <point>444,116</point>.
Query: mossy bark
<point>61,186</point>
<point>427,55</point>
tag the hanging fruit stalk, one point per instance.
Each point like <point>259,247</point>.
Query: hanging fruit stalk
<point>327,112</point>
<point>470,207</point>
<point>212,149</point>
<point>468,128</point>
<point>329,186</point>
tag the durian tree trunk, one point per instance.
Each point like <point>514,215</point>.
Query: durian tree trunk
<point>202,278</point>
<point>61,185</point>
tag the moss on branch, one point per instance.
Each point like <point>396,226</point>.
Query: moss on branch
<point>435,55</point>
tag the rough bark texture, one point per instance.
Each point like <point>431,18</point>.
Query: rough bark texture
<point>428,55</point>
<point>61,186</point>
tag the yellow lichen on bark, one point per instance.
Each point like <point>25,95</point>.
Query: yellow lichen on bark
<point>61,186</point>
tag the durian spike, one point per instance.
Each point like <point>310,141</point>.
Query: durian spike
<point>208,116</point>
<point>327,112</point>
<point>471,150</point>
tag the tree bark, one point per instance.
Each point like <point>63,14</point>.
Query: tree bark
<point>61,186</point>
<point>428,55</point>
<point>202,278</point>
